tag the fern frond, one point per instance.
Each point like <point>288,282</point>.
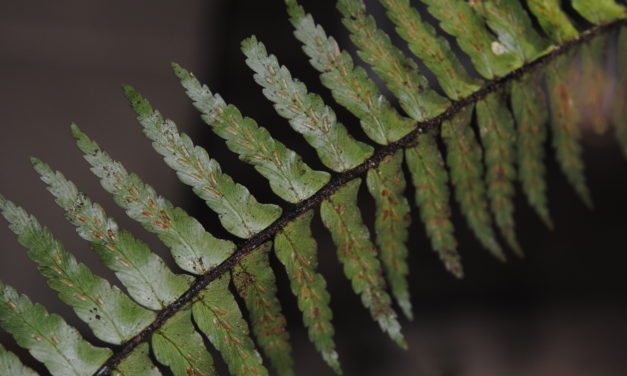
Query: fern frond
<point>386,184</point>
<point>306,112</point>
<point>561,80</point>
<point>290,178</point>
<point>238,210</point>
<point>434,51</point>
<point>48,337</point>
<point>504,47</point>
<point>295,248</point>
<point>111,315</point>
<point>511,23</point>
<point>348,83</point>
<point>177,345</point>
<point>341,216</point>
<point>496,129</point>
<point>256,284</point>
<point>217,315</point>
<point>553,20</point>
<point>430,179</point>
<point>600,11</point>
<point>193,249</point>
<point>10,364</point>
<point>400,74</point>
<point>529,108</point>
<point>465,160</point>
<point>144,274</point>
<point>491,58</point>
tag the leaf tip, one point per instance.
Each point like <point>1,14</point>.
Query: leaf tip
<point>180,72</point>
<point>40,166</point>
<point>76,131</point>
<point>249,43</point>
<point>139,104</point>
<point>36,162</point>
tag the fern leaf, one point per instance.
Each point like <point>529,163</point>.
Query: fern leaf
<point>529,109</point>
<point>564,122</point>
<point>138,363</point>
<point>11,364</point>
<point>193,249</point>
<point>178,345</point>
<point>511,23</point>
<point>386,184</point>
<point>553,20</point>
<point>594,82</point>
<point>619,112</point>
<point>498,136</point>
<point>239,212</point>
<point>433,50</point>
<point>400,74</point>
<point>306,112</point>
<point>600,11</point>
<point>142,272</point>
<point>290,178</point>
<point>490,57</point>
<point>341,216</point>
<point>348,83</point>
<point>256,284</point>
<point>217,315</point>
<point>465,160</point>
<point>432,197</point>
<point>295,247</point>
<point>48,337</point>
<point>111,315</point>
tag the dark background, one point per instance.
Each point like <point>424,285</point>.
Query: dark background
<point>559,311</point>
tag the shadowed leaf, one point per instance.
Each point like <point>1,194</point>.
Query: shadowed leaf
<point>465,160</point>
<point>341,216</point>
<point>256,284</point>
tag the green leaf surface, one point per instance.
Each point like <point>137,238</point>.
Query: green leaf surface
<point>562,77</point>
<point>399,73</point>
<point>138,363</point>
<point>217,315</point>
<point>239,212</point>
<point>600,11</point>
<point>341,216</point>
<point>193,249</point>
<point>177,345</point>
<point>553,20</point>
<point>47,337</point>
<point>11,365</point>
<point>595,81</point>
<point>529,108</point>
<point>430,179</point>
<point>386,184</point>
<point>511,23</point>
<point>619,113</point>
<point>256,284</point>
<point>306,112</point>
<point>498,136</point>
<point>290,178</point>
<point>465,161</point>
<point>433,50</point>
<point>111,315</point>
<point>490,57</point>
<point>295,248</point>
<point>148,280</point>
<point>348,83</point>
